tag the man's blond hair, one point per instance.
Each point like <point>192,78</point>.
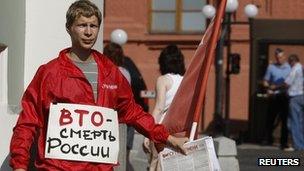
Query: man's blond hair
<point>82,8</point>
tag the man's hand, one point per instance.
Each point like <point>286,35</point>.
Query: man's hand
<point>177,143</point>
<point>19,170</point>
<point>273,87</point>
<point>265,83</point>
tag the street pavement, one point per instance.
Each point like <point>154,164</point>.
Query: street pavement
<point>138,157</point>
<point>248,155</point>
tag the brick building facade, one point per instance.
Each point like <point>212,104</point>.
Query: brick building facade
<point>144,46</point>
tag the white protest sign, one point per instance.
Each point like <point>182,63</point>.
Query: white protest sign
<point>82,133</point>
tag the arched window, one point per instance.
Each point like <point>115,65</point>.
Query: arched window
<point>177,16</point>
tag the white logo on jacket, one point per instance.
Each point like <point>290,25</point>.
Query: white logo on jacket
<point>109,86</point>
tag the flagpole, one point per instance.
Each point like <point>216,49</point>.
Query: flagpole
<point>206,66</point>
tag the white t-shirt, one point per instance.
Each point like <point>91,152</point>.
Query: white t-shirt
<point>176,80</point>
<point>295,80</point>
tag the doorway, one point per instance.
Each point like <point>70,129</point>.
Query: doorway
<point>265,36</point>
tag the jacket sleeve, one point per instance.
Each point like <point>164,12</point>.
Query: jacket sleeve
<point>132,114</point>
<point>28,121</point>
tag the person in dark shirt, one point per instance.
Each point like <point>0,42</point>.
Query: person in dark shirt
<point>138,85</point>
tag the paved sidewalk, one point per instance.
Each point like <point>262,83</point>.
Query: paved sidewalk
<point>248,155</point>
<point>138,158</point>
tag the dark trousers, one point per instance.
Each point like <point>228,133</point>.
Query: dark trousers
<point>278,107</point>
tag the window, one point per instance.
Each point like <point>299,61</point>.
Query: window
<point>177,16</point>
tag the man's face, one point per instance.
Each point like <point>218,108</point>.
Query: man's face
<point>84,32</point>
<point>280,58</point>
<point>291,63</point>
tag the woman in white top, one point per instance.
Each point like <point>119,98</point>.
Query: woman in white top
<point>172,69</point>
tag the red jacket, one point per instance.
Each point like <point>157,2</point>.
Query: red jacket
<point>61,81</point>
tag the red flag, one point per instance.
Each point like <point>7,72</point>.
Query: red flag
<point>187,104</point>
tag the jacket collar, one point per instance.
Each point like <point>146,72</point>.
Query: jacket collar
<point>101,60</point>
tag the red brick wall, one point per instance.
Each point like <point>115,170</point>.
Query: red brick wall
<point>143,48</point>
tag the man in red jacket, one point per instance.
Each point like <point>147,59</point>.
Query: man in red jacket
<point>79,75</point>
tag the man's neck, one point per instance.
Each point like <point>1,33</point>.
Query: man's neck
<point>80,55</point>
<point>280,64</point>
